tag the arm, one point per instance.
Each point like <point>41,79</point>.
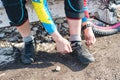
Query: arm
<point>62,44</point>
<point>85,19</point>
<point>41,8</point>
<point>88,32</point>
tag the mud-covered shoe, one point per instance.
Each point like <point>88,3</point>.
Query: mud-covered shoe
<point>81,53</point>
<point>28,52</point>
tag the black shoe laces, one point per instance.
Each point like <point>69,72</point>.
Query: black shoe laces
<point>29,47</point>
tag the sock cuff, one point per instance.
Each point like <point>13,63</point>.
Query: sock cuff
<point>28,38</point>
<point>75,37</point>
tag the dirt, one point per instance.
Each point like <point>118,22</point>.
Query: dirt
<point>106,67</point>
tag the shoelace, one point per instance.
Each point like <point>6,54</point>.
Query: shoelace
<point>28,46</point>
<point>76,45</point>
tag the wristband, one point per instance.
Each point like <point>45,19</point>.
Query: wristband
<point>85,19</point>
<point>85,26</point>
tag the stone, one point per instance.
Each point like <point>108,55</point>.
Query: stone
<point>58,68</point>
<point>33,32</point>
<point>13,39</point>
<point>2,35</point>
<point>59,21</point>
<point>35,28</point>
<point>65,25</point>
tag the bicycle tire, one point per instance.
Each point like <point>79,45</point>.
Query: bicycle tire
<point>105,31</point>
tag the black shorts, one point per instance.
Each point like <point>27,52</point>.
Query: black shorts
<point>74,9</point>
<point>16,11</point>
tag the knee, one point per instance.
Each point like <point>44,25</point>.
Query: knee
<point>73,10</point>
<point>16,11</point>
<point>18,21</point>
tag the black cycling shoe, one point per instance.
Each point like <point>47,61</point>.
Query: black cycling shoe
<point>29,52</point>
<point>81,53</point>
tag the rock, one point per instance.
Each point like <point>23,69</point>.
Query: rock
<point>35,28</point>
<point>2,35</point>
<point>1,22</point>
<point>59,21</point>
<point>16,31</point>
<point>33,32</point>
<point>13,39</point>
<point>2,74</point>
<point>58,68</point>
<point>51,2</point>
<point>38,41</point>
<point>8,30</point>
<point>65,25</point>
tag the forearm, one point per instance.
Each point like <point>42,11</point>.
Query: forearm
<point>85,19</point>
<point>85,3</point>
<point>56,36</point>
<point>44,15</point>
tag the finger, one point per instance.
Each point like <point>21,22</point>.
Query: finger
<point>94,40</point>
<point>65,50</point>
<point>55,47</point>
<point>62,52</point>
<point>69,47</point>
<point>88,43</point>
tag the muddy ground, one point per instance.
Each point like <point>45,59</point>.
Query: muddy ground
<point>106,67</point>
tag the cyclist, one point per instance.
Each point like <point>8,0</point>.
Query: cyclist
<point>18,16</point>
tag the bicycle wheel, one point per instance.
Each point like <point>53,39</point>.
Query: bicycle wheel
<point>104,31</point>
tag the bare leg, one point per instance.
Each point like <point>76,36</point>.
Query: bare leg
<point>24,29</point>
<point>74,25</point>
<point>80,52</point>
<point>75,28</point>
<point>28,54</point>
